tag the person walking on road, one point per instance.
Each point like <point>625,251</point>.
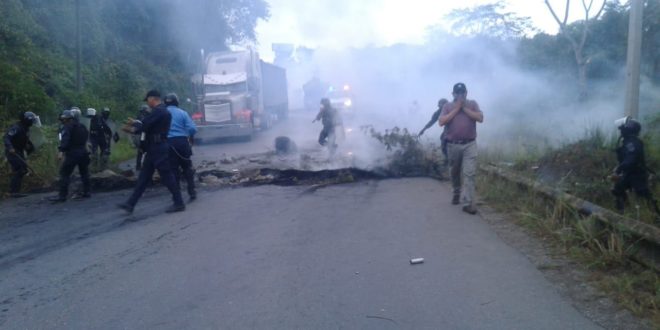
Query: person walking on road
<point>154,128</point>
<point>100,134</point>
<point>329,117</point>
<point>17,144</point>
<point>72,153</point>
<point>460,118</point>
<point>182,133</point>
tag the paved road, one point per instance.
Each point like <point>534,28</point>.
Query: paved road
<point>270,257</point>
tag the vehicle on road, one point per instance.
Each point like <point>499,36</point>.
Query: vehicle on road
<point>238,94</point>
<point>342,99</point>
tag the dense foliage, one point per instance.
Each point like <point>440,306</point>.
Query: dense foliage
<point>128,46</point>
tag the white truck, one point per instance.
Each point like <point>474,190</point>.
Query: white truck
<point>237,94</point>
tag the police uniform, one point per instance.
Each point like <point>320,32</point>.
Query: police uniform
<point>99,138</point>
<point>154,128</point>
<point>136,140</point>
<point>631,171</point>
<point>74,147</point>
<point>329,118</point>
<point>182,129</point>
<point>17,138</point>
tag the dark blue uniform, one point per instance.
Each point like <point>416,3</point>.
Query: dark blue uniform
<point>17,139</point>
<point>632,172</point>
<point>74,147</point>
<point>140,153</point>
<point>155,127</point>
<point>99,137</point>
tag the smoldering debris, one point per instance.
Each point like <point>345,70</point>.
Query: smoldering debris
<point>404,156</point>
<point>290,177</point>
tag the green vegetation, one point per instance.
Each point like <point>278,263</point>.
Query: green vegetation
<point>127,47</point>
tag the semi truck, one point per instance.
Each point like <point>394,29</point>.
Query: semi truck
<point>238,94</point>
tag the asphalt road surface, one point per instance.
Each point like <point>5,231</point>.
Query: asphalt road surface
<point>269,257</point>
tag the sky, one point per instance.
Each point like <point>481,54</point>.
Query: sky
<point>340,24</point>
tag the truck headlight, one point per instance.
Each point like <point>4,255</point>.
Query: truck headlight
<point>348,103</point>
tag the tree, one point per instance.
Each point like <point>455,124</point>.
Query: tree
<point>578,38</point>
<point>490,20</point>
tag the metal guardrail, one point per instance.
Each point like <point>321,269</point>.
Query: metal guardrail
<point>648,236</point>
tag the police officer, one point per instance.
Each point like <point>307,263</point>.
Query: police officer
<point>154,128</point>
<point>433,121</point>
<point>631,172</point>
<point>144,111</point>
<point>17,143</point>
<point>72,153</point>
<point>100,134</point>
<point>182,132</point>
<point>329,117</point>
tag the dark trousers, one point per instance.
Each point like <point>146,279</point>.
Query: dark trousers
<point>157,158</point>
<point>19,170</point>
<point>71,160</point>
<point>327,135</point>
<point>180,153</point>
<point>138,160</point>
<point>100,149</point>
<point>638,182</point>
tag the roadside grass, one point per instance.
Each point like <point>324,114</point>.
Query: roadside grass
<point>580,167</point>
<point>46,166</point>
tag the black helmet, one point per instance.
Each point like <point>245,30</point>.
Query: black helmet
<point>171,99</point>
<point>325,102</point>
<point>442,102</point>
<point>66,114</point>
<point>629,126</point>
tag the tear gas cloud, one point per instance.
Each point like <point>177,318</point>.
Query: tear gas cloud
<point>521,107</point>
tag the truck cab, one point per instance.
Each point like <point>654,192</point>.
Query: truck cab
<point>235,98</point>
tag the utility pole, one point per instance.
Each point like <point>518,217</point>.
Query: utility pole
<point>634,58</point>
<point>78,49</point>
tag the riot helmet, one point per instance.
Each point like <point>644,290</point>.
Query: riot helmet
<point>75,112</point>
<point>67,115</point>
<point>91,112</point>
<point>29,118</point>
<point>171,99</point>
<point>628,126</point>
<point>105,113</point>
<point>325,102</point>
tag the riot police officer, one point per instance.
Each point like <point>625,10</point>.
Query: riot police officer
<point>434,119</point>
<point>72,153</point>
<point>17,143</point>
<point>330,119</point>
<point>144,111</point>
<point>100,134</point>
<point>154,128</point>
<point>631,172</point>
<point>182,132</point>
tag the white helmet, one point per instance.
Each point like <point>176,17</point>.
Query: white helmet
<point>76,112</point>
<point>91,112</point>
